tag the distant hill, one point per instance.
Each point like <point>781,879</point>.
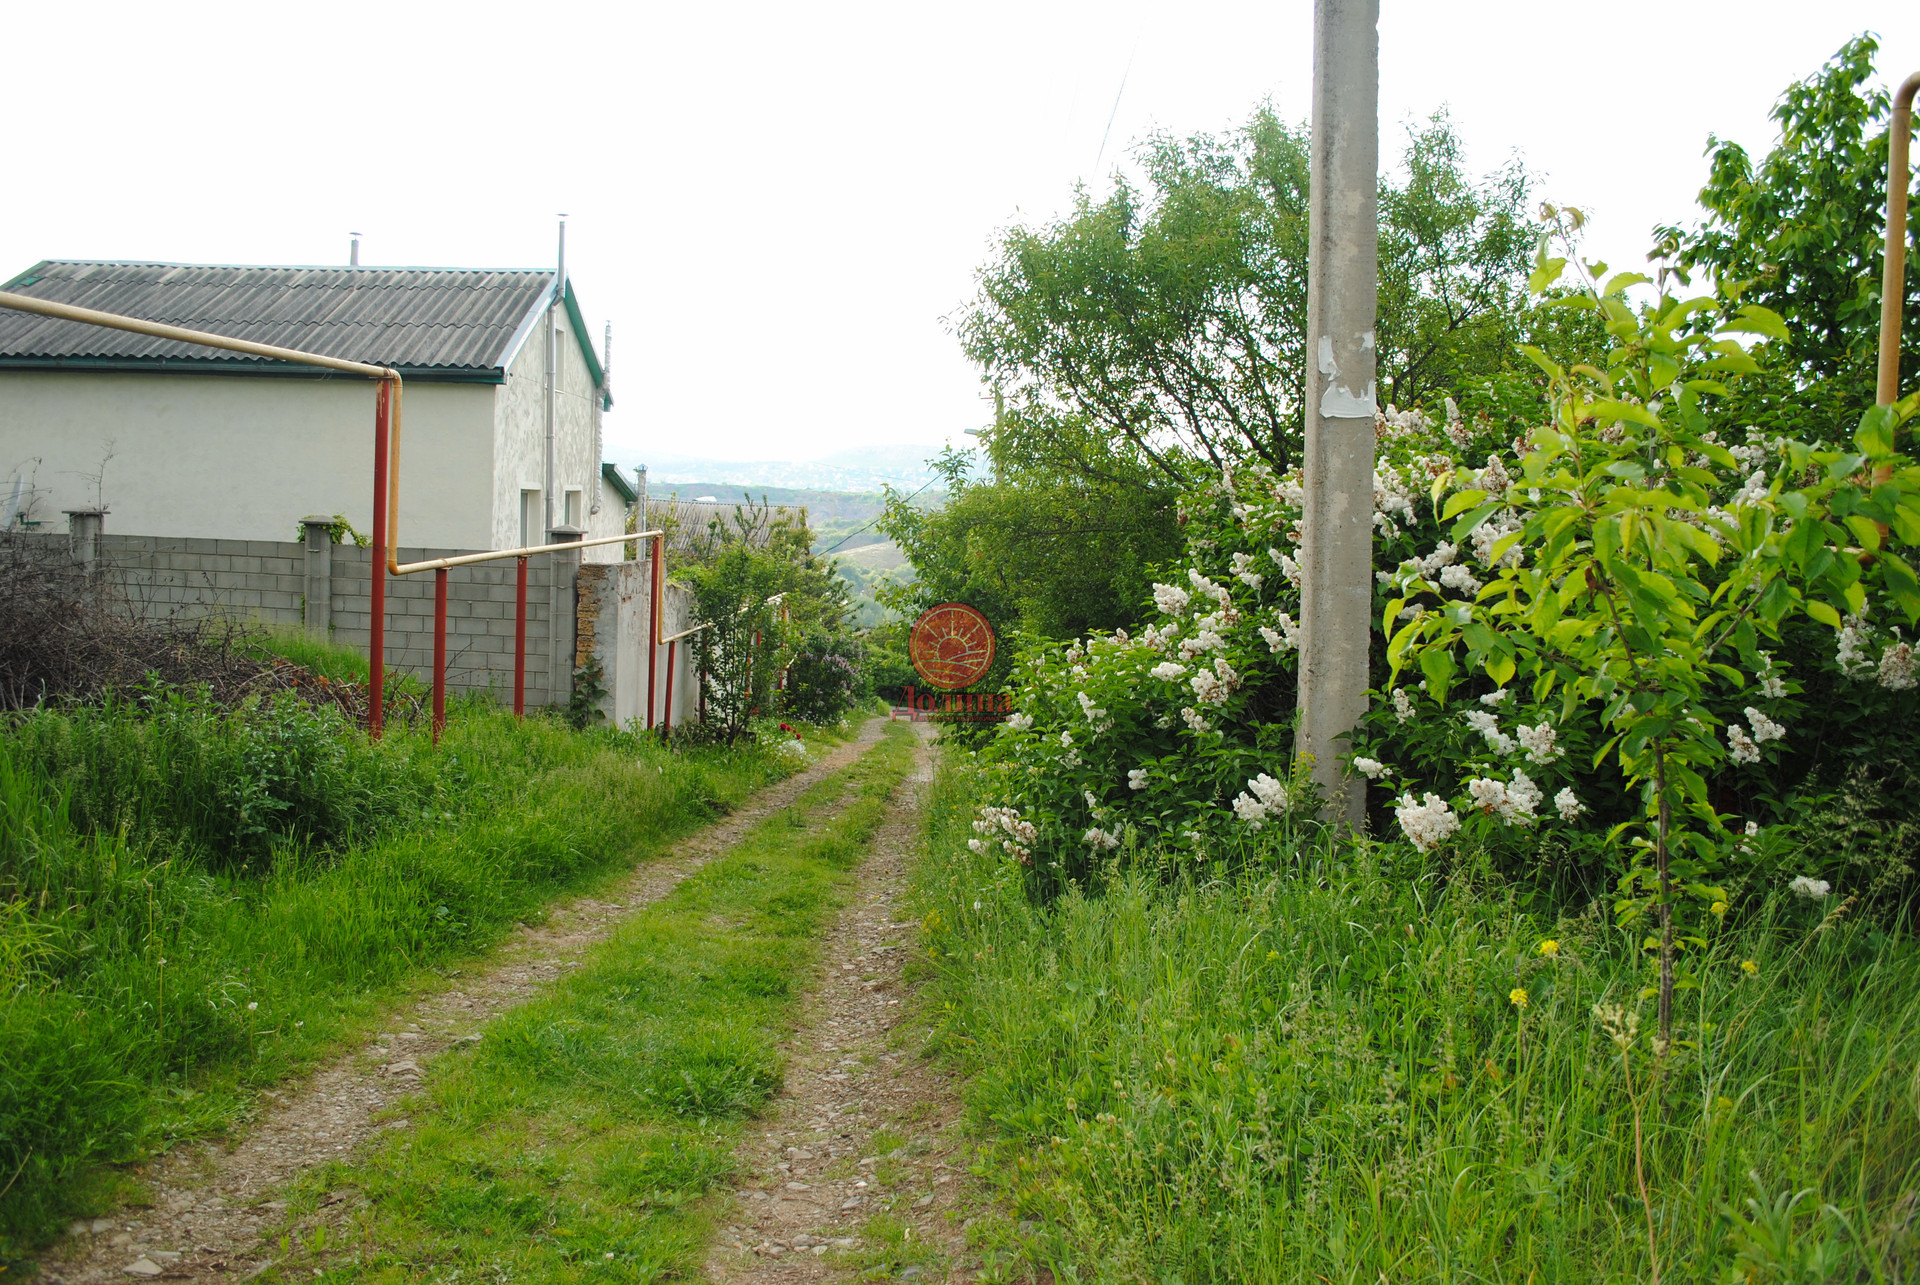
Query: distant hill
<point>842,522</point>
<point>861,469</point>
<point>821,505</point>
<point>841,519</point>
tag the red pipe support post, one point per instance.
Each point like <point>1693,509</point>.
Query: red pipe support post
<point>439,652</point>
<point>666,722</point>
<point>377,620</point>
<point>520,639</point>
<point>653,624</point>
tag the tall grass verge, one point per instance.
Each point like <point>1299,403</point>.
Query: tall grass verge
<point>195,901</point>
<point>1349,1067</point>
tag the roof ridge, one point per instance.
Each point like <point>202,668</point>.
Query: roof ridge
<point>445,318</point>
<point>290,267</point>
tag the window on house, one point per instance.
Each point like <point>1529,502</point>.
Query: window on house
<point>574,508</point>
<point>530,519</point>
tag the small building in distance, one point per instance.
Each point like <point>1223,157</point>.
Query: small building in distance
<point>176,439</point>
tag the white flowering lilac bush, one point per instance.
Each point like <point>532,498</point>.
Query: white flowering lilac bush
<point>1634,594</point>
<point>1178,739</point>
<point>1577,602</point>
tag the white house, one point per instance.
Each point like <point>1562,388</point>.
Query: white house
<point>176,439</point>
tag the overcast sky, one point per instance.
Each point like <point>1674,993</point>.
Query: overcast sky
<point>776,205</point>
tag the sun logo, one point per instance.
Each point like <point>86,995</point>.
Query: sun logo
<point>951,646</point>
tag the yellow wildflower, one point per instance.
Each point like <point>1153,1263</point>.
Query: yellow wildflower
<point>1750,968</point>
<point>1272,955</point>
<point>1718,908</point>
<point>1550,948</point>
<point>1518,996</point>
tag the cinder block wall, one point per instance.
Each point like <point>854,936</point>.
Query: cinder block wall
<point>479,620</point>
<point>265,581</point>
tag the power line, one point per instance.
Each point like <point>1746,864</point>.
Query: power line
<point>1106,133</point>
<point>870,521</point>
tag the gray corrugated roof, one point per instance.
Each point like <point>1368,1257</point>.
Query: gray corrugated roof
<point>447,320</point>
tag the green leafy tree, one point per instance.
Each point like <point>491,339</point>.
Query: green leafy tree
<point>759,589</point>
<point>1164,331</point>
<point>1037,549</point>
<point>1802,232</point>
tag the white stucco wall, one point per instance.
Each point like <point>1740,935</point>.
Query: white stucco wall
<point>610,520</point>
<point>520,434</point>
<point>245,458</point>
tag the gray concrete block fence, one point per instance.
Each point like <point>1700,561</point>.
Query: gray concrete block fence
<point>575,614</point>
<point>324,588</point>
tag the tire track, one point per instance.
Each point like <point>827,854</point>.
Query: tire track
<point>859,1165</point>
<point>211,1201</point>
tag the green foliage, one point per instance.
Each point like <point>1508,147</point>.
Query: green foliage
<point>339,531</point>
<point>1170,326</point>
<point>1157,741</point>
<point>589,689</point>
<point>1053,552</point>
<point>1633,574</point>
<point>1802,232</point>
<point>827,679</point>
<point>887,662</point>
<point>758,588</point>
<point>1321,1073</point>
<point>1178,739</point>
<point>335,662</point>
<point>223,788</point>
<point>1122,743</point>
<point>194,901</point>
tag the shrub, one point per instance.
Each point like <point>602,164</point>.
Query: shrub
<point>1178,740</point>
<point>225,787</point>
<point>827,677</point>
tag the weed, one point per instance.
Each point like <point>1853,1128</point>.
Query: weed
<point>198,901</point>
<point>1322,1073</point>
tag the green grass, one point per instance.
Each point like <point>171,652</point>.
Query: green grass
<point>580,1139</point>
<point>195,903</point>
<point>1318,1073</point>
<point>332,661</point>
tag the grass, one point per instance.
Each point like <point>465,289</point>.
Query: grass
<point>328,660</point>
<point>581,1139</point>
<point>196,902</point>
<point>1320,1073</point>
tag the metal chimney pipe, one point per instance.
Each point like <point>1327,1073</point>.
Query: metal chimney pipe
<point>553,372</point>
<point>353,255</point>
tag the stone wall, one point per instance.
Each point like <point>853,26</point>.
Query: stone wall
<point>614,622</point>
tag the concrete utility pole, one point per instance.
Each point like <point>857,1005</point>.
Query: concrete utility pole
<point>1343,276</point>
